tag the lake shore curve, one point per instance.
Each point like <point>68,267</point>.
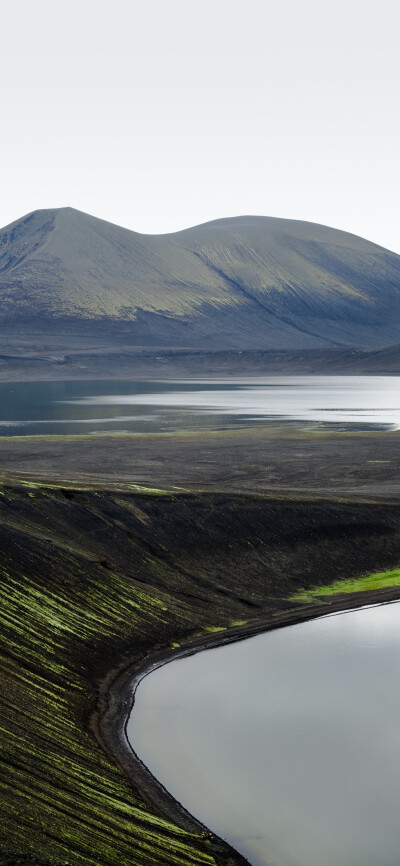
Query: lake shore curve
<point>117,698</point>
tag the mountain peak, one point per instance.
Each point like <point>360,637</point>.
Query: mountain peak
<point>239,282</point>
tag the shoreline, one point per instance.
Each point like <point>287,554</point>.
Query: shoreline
<point>197,376</point>
<point>66,357</point>
<point>117,698</point>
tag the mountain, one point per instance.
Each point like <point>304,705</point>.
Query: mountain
<point>245,283</point>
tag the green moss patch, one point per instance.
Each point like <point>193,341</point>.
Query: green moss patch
<point>214,628</point>
<point>380,580</point>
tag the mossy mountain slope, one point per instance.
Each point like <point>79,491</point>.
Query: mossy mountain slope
<point>245,282</point>
<point>90,579</point>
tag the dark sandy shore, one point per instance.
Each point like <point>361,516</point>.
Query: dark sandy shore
<point>51,358</point>
<point>278,460</point>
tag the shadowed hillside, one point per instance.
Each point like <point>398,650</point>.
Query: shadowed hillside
<point>246,282</point>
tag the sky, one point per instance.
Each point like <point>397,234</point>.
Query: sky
<point>166,114</point>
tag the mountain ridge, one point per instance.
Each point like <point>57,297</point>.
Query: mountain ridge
<point>240,282</point>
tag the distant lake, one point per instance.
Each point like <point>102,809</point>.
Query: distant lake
<point>35,408</point>
<point>288,743</point>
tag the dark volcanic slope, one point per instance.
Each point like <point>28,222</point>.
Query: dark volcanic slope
<point>247,282</point>
<point>90,579</point>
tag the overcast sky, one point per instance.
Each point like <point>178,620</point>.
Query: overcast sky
<point>163,114</point>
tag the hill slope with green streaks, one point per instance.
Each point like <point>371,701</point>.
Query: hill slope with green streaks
<point>91,578</point>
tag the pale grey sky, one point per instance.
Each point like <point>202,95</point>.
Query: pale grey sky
<point>164,114</point>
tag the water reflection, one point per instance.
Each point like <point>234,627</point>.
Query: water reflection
<point>287,743</point>
<point>149,406</point>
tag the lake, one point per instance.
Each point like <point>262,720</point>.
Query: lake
<point>287,743</point>
<point>67,408</point>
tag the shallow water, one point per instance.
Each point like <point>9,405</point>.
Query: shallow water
<point>287,743</point>
<point>34,408</point>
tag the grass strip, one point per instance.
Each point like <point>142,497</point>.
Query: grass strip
<point>379,580</point>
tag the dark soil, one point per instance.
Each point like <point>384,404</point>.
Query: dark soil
<point>301,461</point>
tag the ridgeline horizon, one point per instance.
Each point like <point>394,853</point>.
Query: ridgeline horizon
<point>246,282</point>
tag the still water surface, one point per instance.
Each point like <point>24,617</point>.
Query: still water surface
<point>287,743</point>
<point>35,408</point>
